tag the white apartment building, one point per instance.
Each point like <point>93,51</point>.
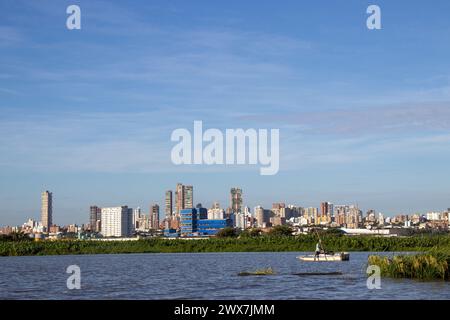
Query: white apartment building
<point>216,214</point>
<point>117,222</point>
<point>241,221</point>
<point>136,217</point>
<point>434,216</point>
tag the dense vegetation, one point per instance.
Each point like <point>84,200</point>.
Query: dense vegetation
<point>424,266</point>
<point>250,242</point>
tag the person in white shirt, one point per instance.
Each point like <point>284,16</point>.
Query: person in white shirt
<point>318,250</point>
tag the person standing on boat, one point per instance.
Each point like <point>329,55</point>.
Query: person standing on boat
<point>318,250</point>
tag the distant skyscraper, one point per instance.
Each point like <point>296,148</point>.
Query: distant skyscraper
<point>326,208</point>
<point>95,214</point>
<point>46,210</point>
<point>184,197</point>
<point>279,210</point>
<point>354,217</point>
<point>117,222</point>
<point>154,217</point>
<point>236,200</point>
<point>137,218</point>
<point>310,215</point>
<point>189,197</point>
<point>326,212</point>
<point>169,205</point>
<point>262,216</point>
<point>179,198</point>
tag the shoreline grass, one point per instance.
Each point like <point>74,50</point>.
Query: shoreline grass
<point>431,265</point>
<point>248,244</point>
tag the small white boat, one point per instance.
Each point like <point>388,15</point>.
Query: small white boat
<point>323,257</point>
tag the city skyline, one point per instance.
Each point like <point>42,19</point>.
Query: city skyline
<point>364,115</point>
<point>157,216</point>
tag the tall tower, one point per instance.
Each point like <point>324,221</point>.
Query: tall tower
<point>236,200</point>
<point>326,211</point>
<point>137,218</point>
<point>179,198</point>
<point>188,197</point>
<point>169,205</point>
<point>154,216</point>
<point>46,209</point>
<point>184,197</point>
<point>95,214</point>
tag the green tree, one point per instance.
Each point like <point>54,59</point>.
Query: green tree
<point>280,231</point>
<point>227,232</point>
<point>18,236</point>
<point>250,233</point>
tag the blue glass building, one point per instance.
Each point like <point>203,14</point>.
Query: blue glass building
<point>194,222</point>
<point>188,221</point>
<point>211,227</point>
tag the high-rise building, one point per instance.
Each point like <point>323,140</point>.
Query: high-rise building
<point>169,205</point>
<point>341,213</point>
<point>179,198</point>
<point>236,200</point>
<point>188,221</point>
<point>310,215</point>
<point>47,210</point>
<point>117,222</point>
<point>370,218</point>
<point>189,197</point>
<point>137,218</point>
<point>280,210</point>
<point>277,207</point>
<point>154,217</point>
<point>262,217</point>
<point>380,220</point>
<point>354,217</point>
<point>95,214</point>
<point>143,223</point>
<point>326,212</point>
<point>216,212</point>
<point>241,221</point>
<point>184,197</point>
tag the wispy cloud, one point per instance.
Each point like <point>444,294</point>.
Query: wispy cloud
<point>380,120</point>
<point>84,142</point>
<point>10,36</point>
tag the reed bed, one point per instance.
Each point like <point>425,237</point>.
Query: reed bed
<point>432,265</point>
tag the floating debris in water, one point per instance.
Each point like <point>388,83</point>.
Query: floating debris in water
<point>258,272</point>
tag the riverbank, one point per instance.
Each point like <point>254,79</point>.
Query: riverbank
<point>247,244</point>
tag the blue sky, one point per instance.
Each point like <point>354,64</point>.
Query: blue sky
<point>364,116</point>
